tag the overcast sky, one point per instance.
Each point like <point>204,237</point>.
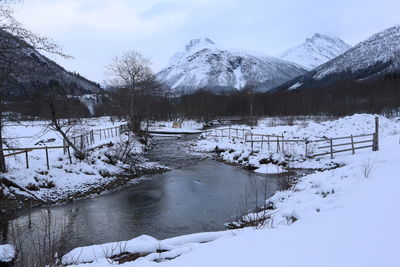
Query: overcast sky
<point>94,31</point>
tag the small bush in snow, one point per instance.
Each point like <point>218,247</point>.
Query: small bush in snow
<point>367,168</point>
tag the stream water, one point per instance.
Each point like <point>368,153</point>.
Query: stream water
<point>198,195</point>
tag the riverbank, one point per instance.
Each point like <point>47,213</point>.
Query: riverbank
<point>107,166</point>
<point>339,217</point>
<point>268,158</point>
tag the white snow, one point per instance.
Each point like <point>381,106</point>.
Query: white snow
<point>238,152</point>
<point>204,64</point>
<point>7,253</point>
<point>381,48</point>
<point>295,86</point>
<point>269,169</point>
<point>64,179</point>
<point>315,51</point>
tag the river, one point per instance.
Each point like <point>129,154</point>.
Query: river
<point>199,194</point>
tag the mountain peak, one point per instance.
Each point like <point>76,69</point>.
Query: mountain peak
<point>199,43</point>
<point>322,36</point>
<point>205,65</point>
<point>316,50</point>
<point>373,58</point>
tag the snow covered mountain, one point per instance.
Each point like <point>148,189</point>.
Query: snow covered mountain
<point>375,57</point>
<point>203,64</point>
<point>315,51</point>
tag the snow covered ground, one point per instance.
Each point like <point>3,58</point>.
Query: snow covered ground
<point>63,179</point>
<point>7,254</point>
<point>339,217</point>
<point>236,151</point>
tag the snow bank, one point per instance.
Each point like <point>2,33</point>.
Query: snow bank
<point>270,169</point>
<point>236,151</point>
<point>150,248</point>
<point>7,253</point>
<point>65,179</point>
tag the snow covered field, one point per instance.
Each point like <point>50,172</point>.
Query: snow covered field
<point>64,179</point>
<point>339,217</point>
<point>236,151</point>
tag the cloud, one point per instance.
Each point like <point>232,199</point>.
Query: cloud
<point>94,31</point>
<point>117,16</point>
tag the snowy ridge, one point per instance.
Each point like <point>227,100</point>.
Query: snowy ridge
<point>204,64</point>
<point>383,47</point>
<point>372,58</point>
<point>315,51</point>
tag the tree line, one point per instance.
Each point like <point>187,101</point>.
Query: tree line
<point>344,98</point>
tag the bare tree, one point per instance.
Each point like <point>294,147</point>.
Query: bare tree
<point>14,39</point>
<point>63,126</point>
<point>135,82</point>
<point>249,91</point>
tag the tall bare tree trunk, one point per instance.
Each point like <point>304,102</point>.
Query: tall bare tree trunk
<point>2,159</point>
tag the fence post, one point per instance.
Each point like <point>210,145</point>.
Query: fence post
<point>243,132</point>
<point>277,144</point>
<point>237,133</point>
<point>331,142</point>
<point>26,158</point>
<point>47,158</point>
<point>69,155</point>
<point>352,144</point>
<point>262,141</point>
<point>306,147</point>
<point>269,145</point>
<point>283,145</point>
<point>229,133</point>
<point>375,146</point>
<point>81,141</point>
<point>64,149</point>
<point>251,141</point>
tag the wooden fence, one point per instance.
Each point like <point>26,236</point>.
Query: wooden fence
<point>26,150</point>
<point>81,141</point>
<point>88,139</point>
<point>322,147</point>
<point>314,148</point>
<point>228,132</point>
<point>348,143</point>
